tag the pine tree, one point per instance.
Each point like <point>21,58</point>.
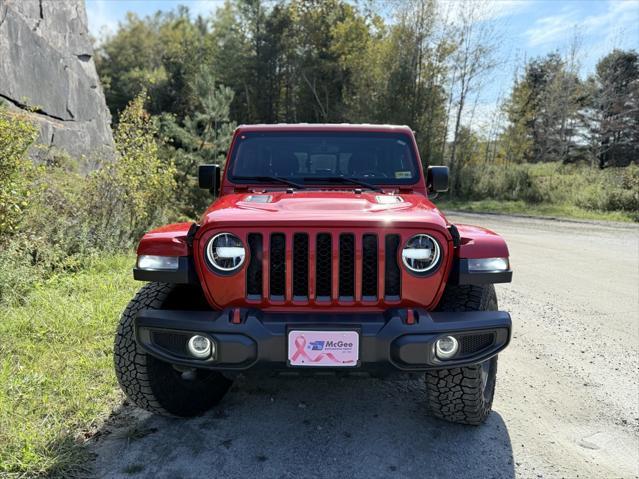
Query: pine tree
<point>202,138</point>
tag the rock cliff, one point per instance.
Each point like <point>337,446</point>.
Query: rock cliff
<point>47,70</point>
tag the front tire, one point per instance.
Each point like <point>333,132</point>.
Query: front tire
<point>464,395</point>
<point>153,384</point>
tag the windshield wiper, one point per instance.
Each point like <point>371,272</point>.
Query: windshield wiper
<point>273,179</point>
<point>343,179</point>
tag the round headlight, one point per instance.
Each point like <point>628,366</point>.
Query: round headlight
<point>226,252</point>
<point>421,253</point>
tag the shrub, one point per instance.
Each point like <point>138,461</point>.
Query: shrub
<point>615,189</point>
<point>58,219</point>
<point>612,189</point>
<point>128,195</point>
<point>16,136</point>
<point>497,182</point>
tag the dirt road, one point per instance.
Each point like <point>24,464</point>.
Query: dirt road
<point>567,401</point>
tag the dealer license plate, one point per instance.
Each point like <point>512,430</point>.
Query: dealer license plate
<point>323,348</point>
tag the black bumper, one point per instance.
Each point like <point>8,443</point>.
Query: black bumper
<point>254,340</point>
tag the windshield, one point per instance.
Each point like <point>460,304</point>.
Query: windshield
<point>324,157</point>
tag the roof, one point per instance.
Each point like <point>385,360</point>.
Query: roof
<point>324,127</point>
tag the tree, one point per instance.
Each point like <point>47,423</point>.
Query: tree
<point>201,138</point>
<point>543,111</point>
<point>160,54</point>
<point>473,57</point>
<point>616,108</point>
<point>397,72</point>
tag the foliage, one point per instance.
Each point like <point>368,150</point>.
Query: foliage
<point>555,116</point>
<point>56,368</point>
<point>67,218</point>
<point>16,136</point>
<point>590,189</point>
<point>159,54</point>
<point>542,111</point>
<point>614,125</point>
<point>129,194</point>
<point>203,138</point>
<point>294,61</point>
<point>338,61</point>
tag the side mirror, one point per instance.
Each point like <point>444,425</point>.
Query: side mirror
<point>437,179</point>
<point>209,178</point>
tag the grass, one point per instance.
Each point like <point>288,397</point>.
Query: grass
<point>523,208</point>
<point>56,373</point>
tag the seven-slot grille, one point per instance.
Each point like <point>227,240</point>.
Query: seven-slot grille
<point>324,266</point>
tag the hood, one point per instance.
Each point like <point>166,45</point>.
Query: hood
<point>314,208</point>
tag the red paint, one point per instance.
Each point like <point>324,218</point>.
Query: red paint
<point>334,210</point>
<point>230,290</point>
<point>322,208</point>
<point>169,240</point>
<point>410,316</point>
<point>479,242</point>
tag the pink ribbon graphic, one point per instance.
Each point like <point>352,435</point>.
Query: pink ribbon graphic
<point>300,345</point>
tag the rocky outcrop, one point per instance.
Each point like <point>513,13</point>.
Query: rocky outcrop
<point>47,70</point>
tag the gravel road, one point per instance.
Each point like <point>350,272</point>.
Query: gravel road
<point>567,400</point>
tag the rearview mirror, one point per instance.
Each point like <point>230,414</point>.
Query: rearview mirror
<point>437,179</point>
<point>209,178</point>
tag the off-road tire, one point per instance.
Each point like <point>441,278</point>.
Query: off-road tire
<point>464,395</point>
<point>153,384</point>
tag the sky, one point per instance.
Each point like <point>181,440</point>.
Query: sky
<point>527,29</point>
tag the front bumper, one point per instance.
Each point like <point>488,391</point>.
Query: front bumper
<point>397,339</point>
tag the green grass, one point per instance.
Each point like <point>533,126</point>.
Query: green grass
<point>523,208</point>
<point>56,374</point>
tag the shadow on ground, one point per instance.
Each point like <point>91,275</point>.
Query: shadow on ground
<point>305,427</point>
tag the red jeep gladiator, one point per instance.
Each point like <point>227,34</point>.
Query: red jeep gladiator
<point>322,252</point>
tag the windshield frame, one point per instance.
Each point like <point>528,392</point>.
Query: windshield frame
<point>412,182</point>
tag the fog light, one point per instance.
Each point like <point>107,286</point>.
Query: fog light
<point>446,347</point>
<point>200,346</point>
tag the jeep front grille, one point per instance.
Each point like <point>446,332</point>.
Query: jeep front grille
<point>369,267</point>
<point>254,270</point>
<point>300,266</point>
<point>323,267</point>
<point>392,273</point>
<point>277,272</point>
<point>346,267</point>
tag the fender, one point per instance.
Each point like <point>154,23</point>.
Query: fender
<point>169,240</point>
<point>476,243</point>
<point>479,242</point>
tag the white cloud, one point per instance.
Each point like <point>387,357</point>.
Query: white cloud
<point>202,7</point>
<point>102,19</point>
<point>551,29</point>
<point>504,8</point>
<point>482,10</point>
<point>619,16</point>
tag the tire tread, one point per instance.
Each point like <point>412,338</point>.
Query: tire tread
<point>456,394</point>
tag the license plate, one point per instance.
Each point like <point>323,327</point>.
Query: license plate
<point>323,348</point>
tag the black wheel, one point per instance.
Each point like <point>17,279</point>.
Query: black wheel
<point>153,384</point>
<point>464,395</point>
